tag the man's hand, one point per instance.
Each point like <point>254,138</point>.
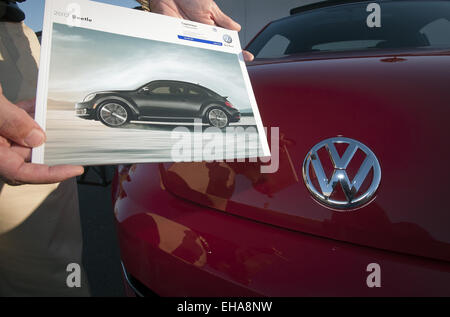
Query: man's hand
<point>203,11</point>
<point>18,134</point>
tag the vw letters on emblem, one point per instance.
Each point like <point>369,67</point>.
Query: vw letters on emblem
<point>352,197</point>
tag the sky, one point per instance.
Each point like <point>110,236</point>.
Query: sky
<point>34,10</point>
<point>86,61</point>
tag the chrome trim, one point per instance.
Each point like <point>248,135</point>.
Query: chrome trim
<point>340,176</point>
<point>166,118</point>
<point>129,282</point>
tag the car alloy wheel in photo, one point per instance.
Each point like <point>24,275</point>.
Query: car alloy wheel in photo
<point>217,118</point>
<point>113,114</point>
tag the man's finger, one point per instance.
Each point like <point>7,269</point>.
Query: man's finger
<point>14,169</point>
<point>224,20</point>
<point>16,125</point>
<point>23,152</point>
<point>165,9</point>
<point>27,105</point>
<point>43,174</point>
<point>248,57</point>
<point>4,142</point>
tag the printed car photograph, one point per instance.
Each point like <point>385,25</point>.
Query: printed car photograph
<point>143,100</point>
<point>159,101</point>
<point>356,205</point>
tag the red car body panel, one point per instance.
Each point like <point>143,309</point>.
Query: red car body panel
<point>200,229</point>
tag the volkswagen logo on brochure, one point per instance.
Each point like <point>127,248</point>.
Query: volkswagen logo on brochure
<point>228,39</point>
<point>354,156</point>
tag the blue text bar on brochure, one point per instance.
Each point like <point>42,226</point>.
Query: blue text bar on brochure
<point>187,38</point>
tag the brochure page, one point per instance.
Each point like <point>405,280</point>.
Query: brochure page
<point>118,85</point>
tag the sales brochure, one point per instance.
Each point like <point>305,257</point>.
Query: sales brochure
<point>119,85</point>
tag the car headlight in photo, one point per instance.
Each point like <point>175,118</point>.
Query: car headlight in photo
<point>89,97</point>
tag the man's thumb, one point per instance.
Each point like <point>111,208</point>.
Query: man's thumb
<point>225,21</point>
<point>17,126</point>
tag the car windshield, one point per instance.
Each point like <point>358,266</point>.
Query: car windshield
<point>404,24</point>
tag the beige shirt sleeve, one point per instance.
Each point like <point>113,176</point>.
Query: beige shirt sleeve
<point>40,231</point>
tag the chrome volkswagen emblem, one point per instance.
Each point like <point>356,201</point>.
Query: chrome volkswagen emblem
<point>353,197</point>
<point>227,38</point>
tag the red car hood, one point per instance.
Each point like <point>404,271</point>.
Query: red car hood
<point>397,105</point>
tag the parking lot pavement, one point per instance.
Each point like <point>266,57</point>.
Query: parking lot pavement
<point>101,257</point>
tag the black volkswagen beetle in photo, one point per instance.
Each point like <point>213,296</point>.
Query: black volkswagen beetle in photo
<point>161,100</point>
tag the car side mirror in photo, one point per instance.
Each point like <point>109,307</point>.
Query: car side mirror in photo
<point>144,90</point>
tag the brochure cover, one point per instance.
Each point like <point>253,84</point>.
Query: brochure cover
<point>118,85</point>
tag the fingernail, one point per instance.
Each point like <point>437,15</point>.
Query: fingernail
<point>80,170</point>
<point>35,138</point>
